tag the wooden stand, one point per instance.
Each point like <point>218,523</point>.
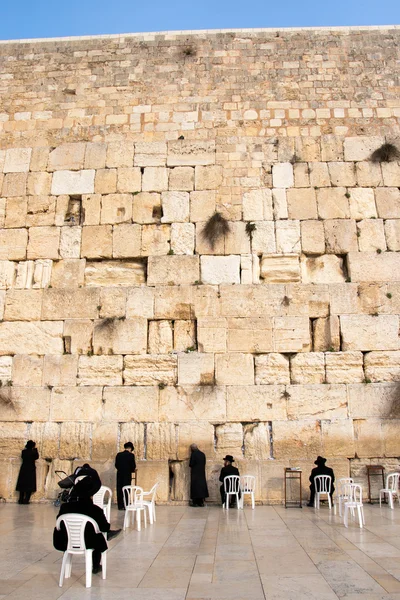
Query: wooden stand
<point>374,470</point>
<point>290,473</point>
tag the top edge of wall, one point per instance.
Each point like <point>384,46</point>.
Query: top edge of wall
<point>171,34</point>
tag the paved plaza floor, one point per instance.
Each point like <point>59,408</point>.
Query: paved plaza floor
<point>205,553</point>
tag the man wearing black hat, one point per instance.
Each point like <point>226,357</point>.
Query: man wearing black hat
<point>320,469</point>
<point>80,501</point>
<point>198,482</point>
<point>126,465</point>
<point>227,469</point>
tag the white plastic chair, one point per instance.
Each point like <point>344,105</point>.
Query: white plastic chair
<point>150,504</point>
<point>248,486</point>
<point>391,489</point>
<point>354,502</point>
<point>343,492</point>
<point>133,502</point>
<point>322,485</point>
<point>232,488</point>
<point>98,499</point>
<point>75,524</point>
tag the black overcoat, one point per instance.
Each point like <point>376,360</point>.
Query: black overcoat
<point>84,506</point>
<point>198,483</point>
<point>125,463</point>
<point>27,474</point>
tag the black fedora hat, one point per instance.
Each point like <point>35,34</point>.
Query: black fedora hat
<point>229,458</point>
<point>320,460</point>
<point>86,487</point>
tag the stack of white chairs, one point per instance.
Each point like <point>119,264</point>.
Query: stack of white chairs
<point>354,503</point>
<point>391,489</point>
<point>247,487</point>
<point>323,485</point>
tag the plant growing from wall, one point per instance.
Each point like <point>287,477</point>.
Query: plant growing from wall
<point>385,153</point>
<point>215,229</point>
<point>250,229</point>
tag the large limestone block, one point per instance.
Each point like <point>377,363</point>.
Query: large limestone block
<point>251,301</point>
<point>342,173</point>
<point>211,334</point>
<point>120,336</point>
<point>155,179</point>
<point>369,174</point>
<point>382,366</point>
<point>116,208</point>
<point>362,203</point>
<point>327,268</point>
<point>184,335</point>
<point>360,147</point>
<point>91,208</point>
<point>7,277</point>
<point>367,332</point>
<point>190,153</point>
<point>186,302</point>
<point>200,432</point>
<point>150,154</point>
<point>115,273</point>
<point>279,203</point>
<point>14,184</point>
<point>73,182</point>
<point>41,210</point>
<point>319,174</point>
<point>105,181</point>
<point>256,403</point>
<point>344,367</point>
<point>97,241</point>
<point>263,238</point>
<point>151,471</point>
<point>100,370</point>
<point>257,205</point>
<point>77,403</point>
<point>17,160</point>
<point>195,368</point>
<point>31,338</point>
<point>391,174</point>
<point>368,438</point>
<point>180,485</point>
<point>333,203</point>
<point>308,367</point>
<point>127,240</point>
<point>146,208</point>
<point>202,205</point>
<point>131,403</point>
<point>238,241</point>
<point>272,368</point>
<point>5,369</point>
<point>67,157</point>
<point>113,302</point>
<point>326,334</point>
<point>75,441</point>
<point>60,370</point>
<point>344,299</point>
<point>173,270</point>
<point>229,440</point>
<point>253,335</point>
<point>312,237</point>
<point>257,441</point>
<point>151,369</point>
<point>373,400</point>
<point>133,432</point>
<point>15,214</point>
<point>95,155</point>
<point>25,404</point>
<point>282,175</point>
<point>373,267</point>
<point>78,334</point>
<point>392,231</point>
<point>27,370</point>
<point>208,178</point>
<point>43,242</point>
<point>181,179</point>
<point>338,438</point>
<point>291,334</point>
<point>69,273</point>
<point>234,369</point>
<point>203,246</point>
<point>205,300</point>
<point>70,304</point>
<point>175,207</point>
<point>287,237</point>
<point>192,403</point>
<point>161,441</point>
<point>12,440</point>
<point>312,402</point>
<point>182,238</point>
<point>340,236</point>
<point>300,439</point>
<point>155,240</point>
<point>129,180</point>
<point>104,440</point>
<point>70,242</point>
<point>160,337</point>
<point>390,435</point>
<point>140,302</point>
<point>13,243</point>
<point>120,154</point>
<point>388,202</point>
<point>302,173</point>
<point>47,437</point>
<point>23,305</point>
<point>280,268</point>
<point>39,184</point>
<point>371,235</point>
<point>302,203</point>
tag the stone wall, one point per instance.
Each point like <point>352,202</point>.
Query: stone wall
<point>121,322</point>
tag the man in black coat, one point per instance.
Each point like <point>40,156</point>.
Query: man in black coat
<point>198,483</point>
<point>26,483</point>
<point>320,469</point>
<point>80,501</point>
<point>126,465</point>
<point>227,469</point>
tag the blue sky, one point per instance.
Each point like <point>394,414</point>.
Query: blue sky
<point>42,18</point>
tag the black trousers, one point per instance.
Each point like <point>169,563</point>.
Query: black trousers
<point>122,480</point>
<point>24,497</point>
<point>223,496</point>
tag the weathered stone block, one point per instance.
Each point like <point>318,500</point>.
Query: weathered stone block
<point>391,173</point>
<point>184,335</point>
<point>208,178</point>
<point>104,437</point>
<point>302,203</point>
<point>332,203</point>
<point>340,236</point>
<point>17,160</point>
<point>374,400</point>
<point>220,269</point>
<point>280,204</point>
<point>307,367</point>
<point>13,243</point>
<point>181,179</point>
<point>27,370</point>
<point>70,242</point>
<point>112,302</point>
<point>13,438</point>
<point>390,431</point>
<point>191,153</point>
<point>25,404</point>
<point>155,179</point>
<point>73,182</point>
<point>307,402</point>
<point>97,241</point>
<point>160,337</point>
<point>31,338</point>
<point>319,174</point>
<point>39,184</point>
<point>253,403</point>
<point>60,370</point>
<point>211,334</point>
<point>203,246</point>
<point>140,302</point>
<point>41,211</point>
<point>382,366</point>
<point>100,370</point>
<point>388,202</point>
<point>78,333</point>
<point>368,438</point>
<point>161,441</point>
<point>175,206</point>
<point>91,208</point>
<point>120,154</point>
<point>95,155</point>
<point>15,215</point>
<point>195,369</point>
<point>392,231</point>
<point>7,274</point>
<point>202,432</point>
<point>116,208</point>
<point>301,172</point>
<point>75,440</point>
<point>362,203</point>
<point>291,334</point>
<point>182,238</point>
<point>105,181</point>
<point>338,437</point>
<point>253,335</point>
<point>173,270</point>
<point>344,299</point>
<point>43,242</point>
<point>234,369</point>
<point>155,240</point>
<point>371,235</point>
<point>369,174</point>
<point>151,369</point>
<point>322,269</point>
<point>257,205</point>
<point>257,441</point>
<point>312,237</point>
<point>67,157</point>
<point>69,273</point>
<point>367,332</point>
<point>129,180</point>
<point>373,267</point>
<point>127,240</point>
<point>23,305</point>
<point>342,173</point>
<point>229,437</point>
<point>192,403</point>
<point>120,336</point>
<point>131,403</point>
<point>361,148</point>
<point>146,208</point>
<point>14,184</point>
<point>282,268</point>
<point>282,175</point>
<point>344,367</point>
<point>150,154</point>
<point>6,369</point>
<point>272,368</point>
<point>287,237</point>
<point>301,439</point>
<point>70,304</point>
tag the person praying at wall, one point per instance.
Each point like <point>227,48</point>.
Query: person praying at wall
<point>126,465</point>
<point>320,469</point>
<point>198,483</point>
<point>227,469</point>
<point>26,484</point>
